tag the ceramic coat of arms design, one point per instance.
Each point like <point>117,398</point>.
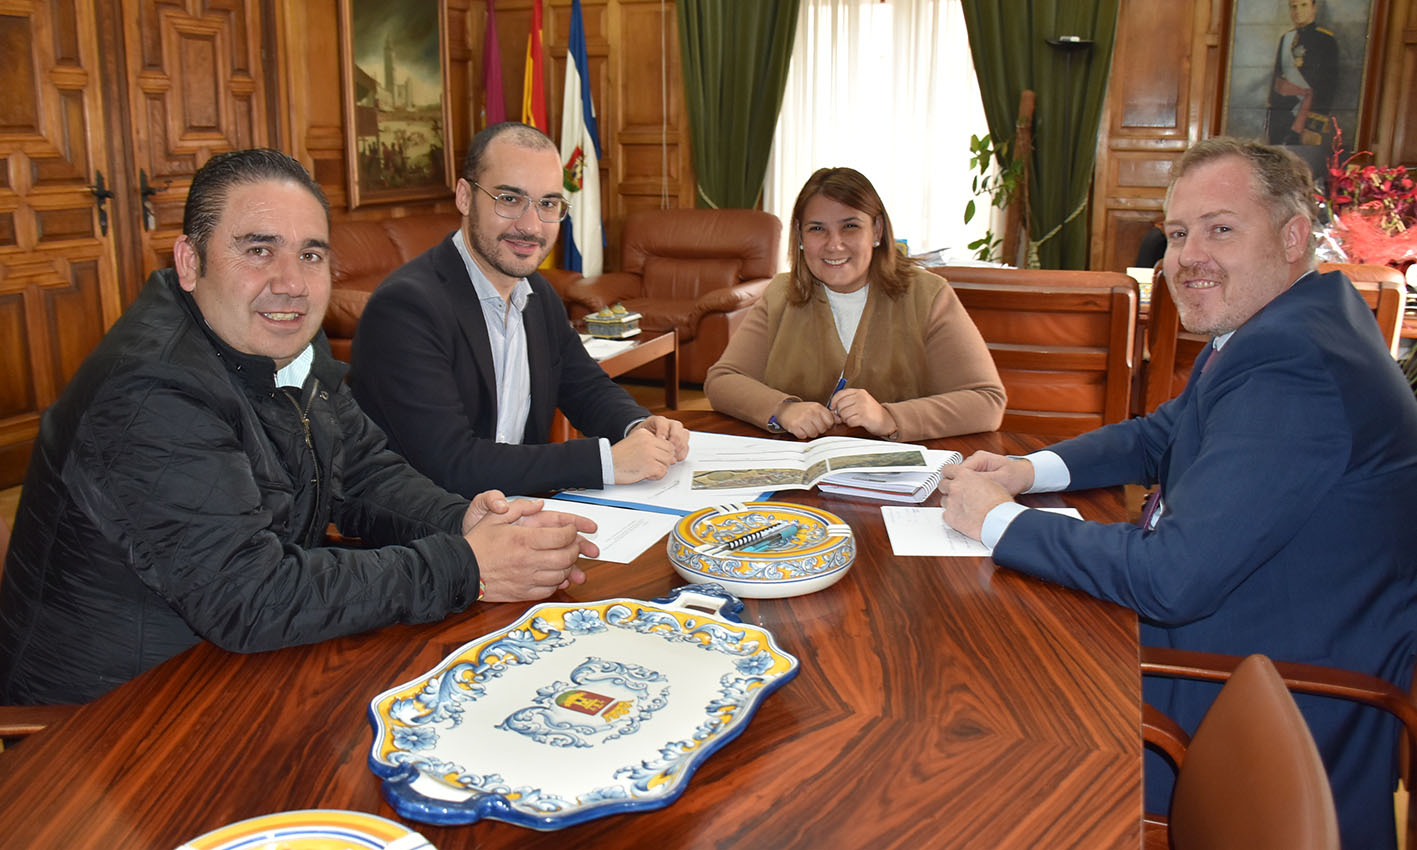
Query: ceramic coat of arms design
<point>603,701</point>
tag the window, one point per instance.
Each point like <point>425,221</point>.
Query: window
<point>886,87</point>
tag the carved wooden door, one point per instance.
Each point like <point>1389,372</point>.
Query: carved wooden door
<point>195,88</point>
<point>58,284</point>
<point>141,93</point>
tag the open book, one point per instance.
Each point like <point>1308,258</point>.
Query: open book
<point>779,465</point>
<point>912,486</point>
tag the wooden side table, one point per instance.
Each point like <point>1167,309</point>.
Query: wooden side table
<point>648,347</point>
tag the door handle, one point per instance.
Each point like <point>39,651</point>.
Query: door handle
<point>101,194</point>
<point>146,190</point>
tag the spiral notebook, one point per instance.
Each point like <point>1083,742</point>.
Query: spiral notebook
<point>904,487</point>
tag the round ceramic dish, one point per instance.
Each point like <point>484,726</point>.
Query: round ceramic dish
<point>763,550</point>
<point>312,829</point>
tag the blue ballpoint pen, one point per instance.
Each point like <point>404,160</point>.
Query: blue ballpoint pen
<point>786,533</point>
<point>840,385</point>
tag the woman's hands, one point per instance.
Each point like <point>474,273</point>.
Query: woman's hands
<point>856,408</point>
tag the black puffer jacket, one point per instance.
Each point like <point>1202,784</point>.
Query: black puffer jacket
<point>175,495</point>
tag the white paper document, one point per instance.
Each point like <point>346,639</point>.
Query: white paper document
<point>674,493</point>
<point>924,532</point>
<point>622,534</point>
<point>601,349</point>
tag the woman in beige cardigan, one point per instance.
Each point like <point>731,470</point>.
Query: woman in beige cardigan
<point>856,333</point>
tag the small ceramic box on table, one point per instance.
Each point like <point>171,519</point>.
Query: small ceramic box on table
<point>613,323</point>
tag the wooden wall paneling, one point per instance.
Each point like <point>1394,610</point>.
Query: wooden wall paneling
<point>1395,139</point>
<point>311,50</point>
<point>1148,121</point>
<point>58,277</point>
<point>193,93</point>
<point>465,60</point>
<point>651,142</point>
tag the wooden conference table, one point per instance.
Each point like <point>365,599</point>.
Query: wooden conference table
<point>940,703</point>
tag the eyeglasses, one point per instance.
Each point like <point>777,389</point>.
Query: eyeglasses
<point>513,205</point>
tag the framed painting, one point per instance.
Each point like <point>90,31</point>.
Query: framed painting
<point>1299,69</point>
<point>396,113</point>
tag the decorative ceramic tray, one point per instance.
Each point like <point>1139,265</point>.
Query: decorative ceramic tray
<point>763,550</point>
<point>311,829</point>
<point>575,711</point>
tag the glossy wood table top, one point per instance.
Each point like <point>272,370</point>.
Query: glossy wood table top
<point>940,703</point>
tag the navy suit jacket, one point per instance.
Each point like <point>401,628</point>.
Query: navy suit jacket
<point>422,369</point>
<point>1288,470</point>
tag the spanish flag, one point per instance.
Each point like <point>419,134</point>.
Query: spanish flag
<point>533,81</point>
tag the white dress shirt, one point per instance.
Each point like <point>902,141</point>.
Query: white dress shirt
<point>506,333</point>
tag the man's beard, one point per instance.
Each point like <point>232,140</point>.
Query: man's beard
<point>487,249</point>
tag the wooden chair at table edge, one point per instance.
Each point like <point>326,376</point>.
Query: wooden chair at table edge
<point>1163,734</point>
<point>1061,387</point>
<point>18,721</point>
<point>1172,350</point>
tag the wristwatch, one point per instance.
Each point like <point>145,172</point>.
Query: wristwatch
<point>774,427</point>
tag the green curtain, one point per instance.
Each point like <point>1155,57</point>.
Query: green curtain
<point>736,54</point>
<point>1009,40</point>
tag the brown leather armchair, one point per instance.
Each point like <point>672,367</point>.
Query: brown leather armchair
<point>362,253</point>
<point>692,271</point>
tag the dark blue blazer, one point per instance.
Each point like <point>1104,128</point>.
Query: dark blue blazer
<point>1288,471</point>
<point>422,369</point>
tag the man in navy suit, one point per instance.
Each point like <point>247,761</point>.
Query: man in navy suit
<point>464,354</point>
<point>1285,468</point>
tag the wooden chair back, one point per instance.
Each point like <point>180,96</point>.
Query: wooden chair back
<point>1063,342</point>
<point>1332,682</point>
<point>1385,290</point>
<point>1251,777</point>
<point>1172,351</point>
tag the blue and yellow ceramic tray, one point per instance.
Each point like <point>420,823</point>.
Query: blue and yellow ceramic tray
<point>763,550</point>
<point>575,711</point>
<point>312,829</point>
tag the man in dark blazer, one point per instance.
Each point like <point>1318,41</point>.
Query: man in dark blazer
<point>463,355</point>
<point>1285,469</point>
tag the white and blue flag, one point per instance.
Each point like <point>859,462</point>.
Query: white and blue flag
<point>580,158</point>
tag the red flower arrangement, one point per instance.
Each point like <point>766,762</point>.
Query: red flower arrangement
<point>1374,208</point>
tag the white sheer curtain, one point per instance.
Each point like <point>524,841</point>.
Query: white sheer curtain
<point>886,87</point>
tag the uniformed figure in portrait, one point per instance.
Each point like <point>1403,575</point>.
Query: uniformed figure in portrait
<point>1305,79</point>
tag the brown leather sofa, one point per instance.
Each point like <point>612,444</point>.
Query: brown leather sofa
<point>362,253</point>
<point>692,271</point>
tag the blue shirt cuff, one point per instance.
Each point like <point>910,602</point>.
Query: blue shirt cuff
<point>996,522</point>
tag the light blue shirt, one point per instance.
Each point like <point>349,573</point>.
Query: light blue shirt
<point>294,373</point>
<point>1050,474</point>
<point>506,333</point>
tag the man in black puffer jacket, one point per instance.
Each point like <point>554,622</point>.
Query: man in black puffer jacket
<point>181,487</point>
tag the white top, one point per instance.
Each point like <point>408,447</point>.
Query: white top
<point>847,308</point>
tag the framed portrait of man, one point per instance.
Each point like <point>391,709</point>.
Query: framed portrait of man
<point>1299,69</point>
